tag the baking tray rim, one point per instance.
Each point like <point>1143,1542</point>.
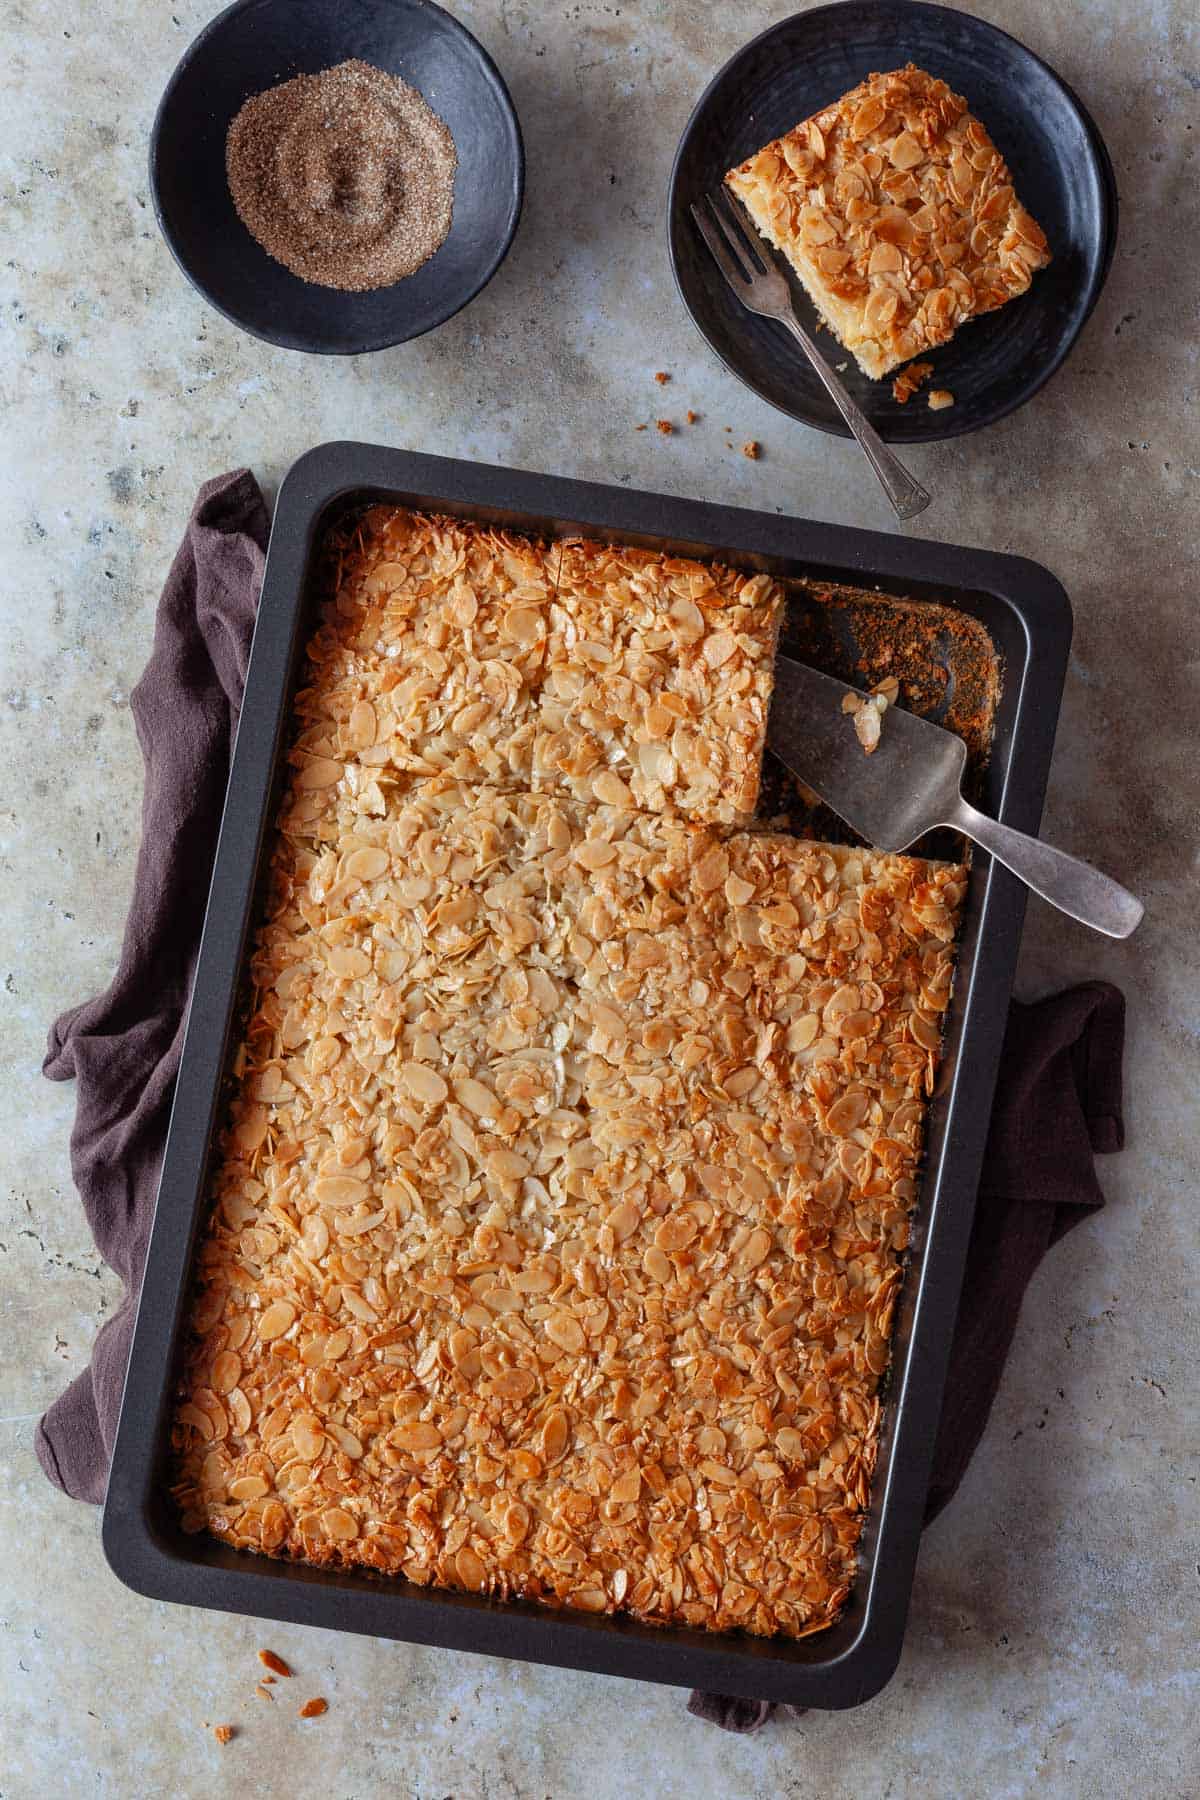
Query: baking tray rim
<point>776,1668</point>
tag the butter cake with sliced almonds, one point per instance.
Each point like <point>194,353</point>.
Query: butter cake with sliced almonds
<point>898,214</point>
<point>567,1170</point>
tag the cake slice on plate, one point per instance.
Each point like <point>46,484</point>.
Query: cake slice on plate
<point>898,214</point>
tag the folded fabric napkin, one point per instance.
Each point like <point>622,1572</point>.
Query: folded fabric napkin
<point>1058,1101</point>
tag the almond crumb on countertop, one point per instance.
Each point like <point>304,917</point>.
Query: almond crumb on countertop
<point>263,1692</point>
<point>276,1664</point>
<point>909,380</point>
<point>940,399</point>
<point>692,416</point>
<point>752,449</point>
<point>224,1733</point>
<point>665,426</point>
<point>662,378</point>
<point>312,1709</point>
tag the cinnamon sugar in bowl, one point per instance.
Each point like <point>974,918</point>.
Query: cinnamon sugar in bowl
<point>337,176</point>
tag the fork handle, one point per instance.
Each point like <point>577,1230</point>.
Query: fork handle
<point>905,493</point>
<point>1075,887</point>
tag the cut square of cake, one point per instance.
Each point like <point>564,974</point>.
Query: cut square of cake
<point>898,214</point>
<point>600,672</point>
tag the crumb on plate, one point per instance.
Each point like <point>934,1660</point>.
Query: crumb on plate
<point>940,399</point>
<point>909,380</point>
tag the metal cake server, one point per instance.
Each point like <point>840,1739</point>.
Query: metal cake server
<point>912,782</point>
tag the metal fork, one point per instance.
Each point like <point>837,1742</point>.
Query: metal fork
<point>749,266</point>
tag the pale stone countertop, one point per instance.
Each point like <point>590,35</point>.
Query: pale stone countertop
<point>1054,1624</point>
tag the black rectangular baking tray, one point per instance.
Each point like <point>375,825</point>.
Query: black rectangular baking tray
<point>1028,616</point>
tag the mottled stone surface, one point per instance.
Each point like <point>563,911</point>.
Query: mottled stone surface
<point>1052,1646</point>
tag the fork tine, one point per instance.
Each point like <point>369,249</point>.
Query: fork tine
<point>738,233</point>
<point>731,270</point>
<point>730,239</point>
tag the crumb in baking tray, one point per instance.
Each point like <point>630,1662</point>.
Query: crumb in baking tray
<point>909,380</point>
<point>940,399</point>
<point>867,711</point>
<point>898,214</point>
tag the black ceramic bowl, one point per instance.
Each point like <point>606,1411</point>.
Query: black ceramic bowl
<point>1061,170</point>
<point>255,44</point>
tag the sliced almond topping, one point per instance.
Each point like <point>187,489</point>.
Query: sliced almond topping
<point>277,1318</point>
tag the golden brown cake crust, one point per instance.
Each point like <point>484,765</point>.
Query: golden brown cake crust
<point>898,214</point>
<point>558,1217</point>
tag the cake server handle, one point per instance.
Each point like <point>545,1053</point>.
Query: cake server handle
<point>904,491</point>
<point>1074,886</point>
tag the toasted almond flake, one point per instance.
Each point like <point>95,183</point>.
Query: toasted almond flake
<point>656,1264</point>
<point>867,727</point>
<point>249,1487</point>
<point>610,790</point>
<point>320,772</point>
<point>803,1031</point>
<point>423,1083</point>
<point>476,1097</point>
<point>340,1190</point>
<point>596,853</point>
<point>470,1569</point>
<point>555,1432</point>
<point>277,1318</point>
<point>312,1709</point>
<point>417,1434</point>
<point>339,1524</point>
<point>564,1329</point>
<point>367,864</point>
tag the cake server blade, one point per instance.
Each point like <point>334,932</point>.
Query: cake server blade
<point>911,783</point>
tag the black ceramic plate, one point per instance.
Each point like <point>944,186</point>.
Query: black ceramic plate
<point>1059,164</point>
<point>257,43</point>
